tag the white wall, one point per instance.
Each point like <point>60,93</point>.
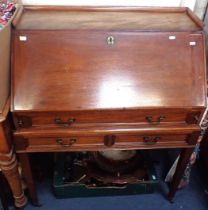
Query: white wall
<point>198,6</point>
<point>168,3</point>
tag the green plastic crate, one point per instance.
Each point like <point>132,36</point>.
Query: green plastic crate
<point>72,190</point>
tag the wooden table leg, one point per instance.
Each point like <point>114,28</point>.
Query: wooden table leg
<point>8,161</point>
<point>27,174</point>
<point>181,166</point>
<point>8,164</point>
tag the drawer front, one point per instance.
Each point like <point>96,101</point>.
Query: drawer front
<point>105,142</point>
<point>67,119</point>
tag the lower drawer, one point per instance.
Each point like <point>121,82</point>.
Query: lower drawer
<point>104,142</point>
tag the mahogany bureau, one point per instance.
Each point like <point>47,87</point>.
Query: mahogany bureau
<point>107,78</point>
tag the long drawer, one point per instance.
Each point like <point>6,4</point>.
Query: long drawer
<point>67,119</point>
<point>104,138</point>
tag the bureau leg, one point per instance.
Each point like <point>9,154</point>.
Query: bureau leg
<point>27,174</point>
<point>181,166</point>
<point>8,164</point>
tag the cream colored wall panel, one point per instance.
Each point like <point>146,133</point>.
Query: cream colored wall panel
<point>106,2</point>
<point>200,8</point>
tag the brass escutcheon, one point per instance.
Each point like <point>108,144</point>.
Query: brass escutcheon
<point>110,40</point>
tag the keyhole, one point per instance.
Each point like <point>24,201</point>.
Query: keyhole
<point>110,40</point>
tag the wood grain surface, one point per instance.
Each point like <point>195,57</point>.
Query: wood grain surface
<point>78,70</point>
<point>110,18</point>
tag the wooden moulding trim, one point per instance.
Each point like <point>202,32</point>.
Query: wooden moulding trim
<point>18,15</point>
<point>8,165</point>
<point>12,70</point>
<point>9,155</point>
<point>195,18</point>
<point>189,108</point>
<point>205,66</point>
<point>5,111</point>
<point>10,161</point>
<point>105,8</point>
<point>51,132</point>
<point>18,197</point>
<point>32,149</point>
<point>20,201</point>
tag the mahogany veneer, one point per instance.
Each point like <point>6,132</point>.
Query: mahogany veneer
<point>103,78</point>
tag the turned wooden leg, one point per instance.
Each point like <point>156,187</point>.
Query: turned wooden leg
<point>8,164</point>
<point>181,166</point>
<point>27,174</point>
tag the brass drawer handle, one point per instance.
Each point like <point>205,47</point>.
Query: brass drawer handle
<point>58,121</point>
<point>159,119</point>
<point>71,142</point>
<point>151,141</point>
<point>109,140</point>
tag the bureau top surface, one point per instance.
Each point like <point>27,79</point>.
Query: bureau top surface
<point>107,18</point>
